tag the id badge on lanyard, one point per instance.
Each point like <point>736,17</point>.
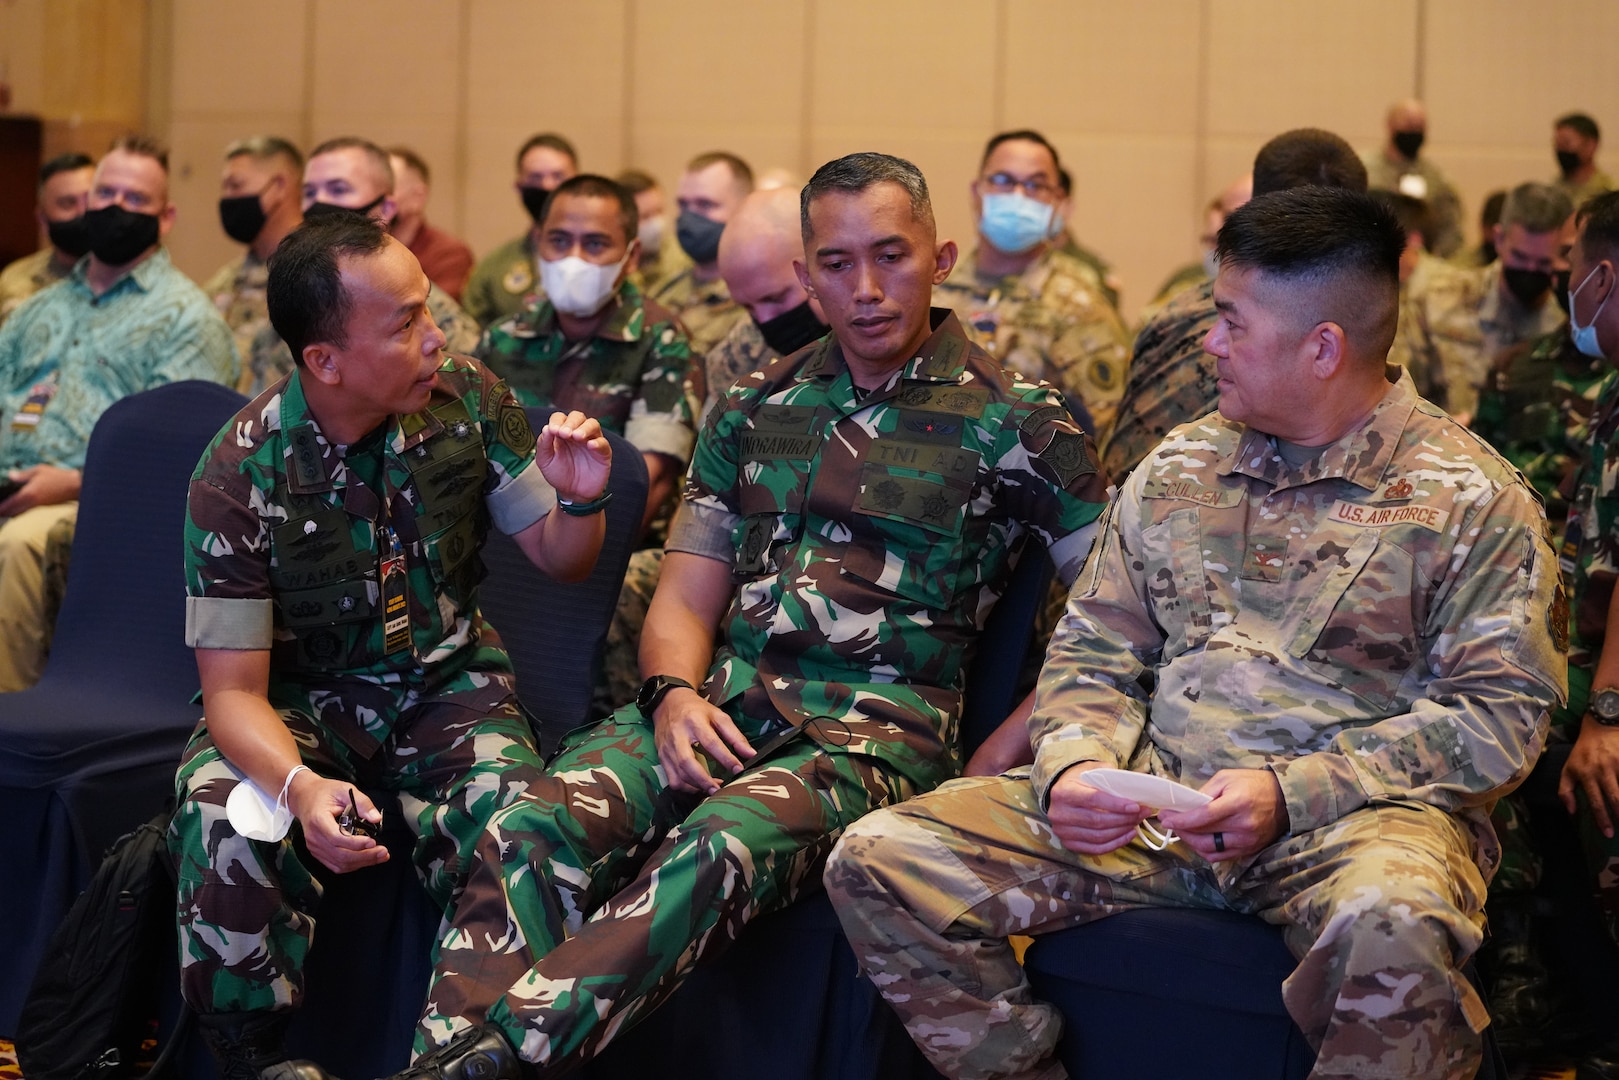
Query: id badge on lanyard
<point>395,597</point>
<point>28,414</point>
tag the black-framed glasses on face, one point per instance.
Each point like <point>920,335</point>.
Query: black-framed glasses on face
<point>352,822</point>
<point>1035,187</point>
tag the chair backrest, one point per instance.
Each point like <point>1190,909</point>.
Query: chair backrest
<point>992,679</point>
<point>124,612</point>
<point>554,632</point>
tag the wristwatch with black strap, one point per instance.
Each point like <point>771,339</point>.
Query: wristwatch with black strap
<point>1605,706</point>
<point>654,690</point>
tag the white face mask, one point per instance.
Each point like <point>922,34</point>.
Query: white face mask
<point>579,288</point>
<point>1585,337</point>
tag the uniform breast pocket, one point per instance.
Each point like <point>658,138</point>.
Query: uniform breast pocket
<point>1177,585</point>
<point>771,501</point>
<point>453,556</point>
<point>1358,625</point>
<point>908,535</point>
<point>333,622</point>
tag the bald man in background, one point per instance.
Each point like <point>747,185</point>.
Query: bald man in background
<point>1398,166</point>
<point>756,255</point>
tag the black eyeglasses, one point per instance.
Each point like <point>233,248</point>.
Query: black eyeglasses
<point>351,821</point>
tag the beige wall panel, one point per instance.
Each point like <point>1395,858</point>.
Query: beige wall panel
<point>1101,66</point>
<point>1500,71</point>
<point>239,58</point>
<point>664,151</point>
<point>524,80</point>
<point>1281,64</point>
<point>196,151</point>
<point>22,53</point>
<point>97,60</point>
<point>384,61</point>
<point>1478,172</point>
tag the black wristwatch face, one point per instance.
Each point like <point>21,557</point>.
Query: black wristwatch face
<point>653,691</point>
<point>1605,706</point>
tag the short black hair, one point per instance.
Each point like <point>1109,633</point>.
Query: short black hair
<point>1409,211</point>
<point>62,163</point>
<point>1343,245</point>
<point>1581,123</point>
<point>1307,156</point>
<point>1020,135</point>
<point>551,141</point>
<point>1599,221</point>
<point>589,184</point>
<point>854,173</point>
<point>308,304</point>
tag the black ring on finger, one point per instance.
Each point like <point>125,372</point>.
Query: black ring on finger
<point>1219,842</point>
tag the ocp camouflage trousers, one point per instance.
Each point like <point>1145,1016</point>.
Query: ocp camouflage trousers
<point>637,882</point>
<point>247,909</point>
<point>1382,908</point>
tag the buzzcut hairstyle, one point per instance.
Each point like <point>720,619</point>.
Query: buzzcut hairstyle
<point>1020,135</point>
<point>854,173</point>
<point>143,146</point>
<point>376,155</point>
<point>1537,208</point>
<point>741,171</point>
<point>551,141</point>
<point>62,163</point>
<point>305,294</point>
<point>636,181</point>
<point>1339,249</point>
<point>1307,156</point>
<point>1410,212</point>
<point>413,159</point>
<point>266,148</point>
<point>600,187</point>
<point>1599,220</point>
<point>1581,123</point>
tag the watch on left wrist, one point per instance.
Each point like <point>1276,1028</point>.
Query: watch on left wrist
<point>1604,706</point>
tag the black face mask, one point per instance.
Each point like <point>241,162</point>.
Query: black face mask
<point>699,236</point>
<point>1408,143</point>
<point>69,237</point>
<point>792,330</point>
<point>117,235</point>
<point>1568,161</point>
<point>1527,285</point>
<point>534,201</point>
<point>325,209</point>
<point>1560,288</point>
<point>242,217</point>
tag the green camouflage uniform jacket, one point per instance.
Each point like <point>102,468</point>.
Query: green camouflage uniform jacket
<point>1384,622</point>
<point>705,309</point>
<point>1452,331</point>
<point>288,538</point>
<point>869,536</point>
<point>27,276</point>
<point>1172,380</point>
<point>1590,549</point>
<point>1051,323</point>
<point>1534,409</point>
<point>636,376</point>
<point>68,354</point>
<point>504,283</point>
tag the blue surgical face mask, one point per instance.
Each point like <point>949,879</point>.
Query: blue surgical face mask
<point>1013,222</point>
<point>1585,337</point>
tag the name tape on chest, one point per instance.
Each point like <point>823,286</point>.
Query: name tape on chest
<point>1431,518</point>
<point>1192,491</point>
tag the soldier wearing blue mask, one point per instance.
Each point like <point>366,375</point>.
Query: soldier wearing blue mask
<point>1035,308</point>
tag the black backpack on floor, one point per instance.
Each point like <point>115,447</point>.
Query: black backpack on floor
<point>98,990</point>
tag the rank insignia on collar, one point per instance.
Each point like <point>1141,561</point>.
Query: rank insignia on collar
<point>459,429</point>
<point>1399,489</point>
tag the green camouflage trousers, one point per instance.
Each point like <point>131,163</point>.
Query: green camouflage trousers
<point>1381,907</point>
<point>637,882</point>
<point>247,909</point>
<point>1520,863</point>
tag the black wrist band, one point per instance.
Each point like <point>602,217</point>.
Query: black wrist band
<point>585,509</point>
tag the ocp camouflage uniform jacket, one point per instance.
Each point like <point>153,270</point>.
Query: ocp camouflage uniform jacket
<point>1384,623</point>
<point>635,375</point>
<point>286,539</point>
<point>704,308</point>
<point>1053,323</point>
<point>871,535</point>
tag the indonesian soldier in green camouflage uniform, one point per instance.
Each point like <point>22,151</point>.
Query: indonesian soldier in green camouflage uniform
<point>1328,607</point>
<point>594,344</point>
<point>506,282</point>
<point>332,568</point>
<point>1172,380</point>
<point>851,515</point>
<point>1033,308</point>
<point>710,192</point>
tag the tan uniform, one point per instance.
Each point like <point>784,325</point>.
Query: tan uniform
<point>238,291</point>
<point>1051,322</point>
<point>1451,333</point>
<point>653,274</point>
<point>27,276</point>
<point>504,283</point>
<point>705,308</point>
<point>1420,179</point>
<point>1598,183</point>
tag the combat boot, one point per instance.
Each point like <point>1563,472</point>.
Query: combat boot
<point>1520,986</point>
<point>248,1046</point>
<point>480,1053</point>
